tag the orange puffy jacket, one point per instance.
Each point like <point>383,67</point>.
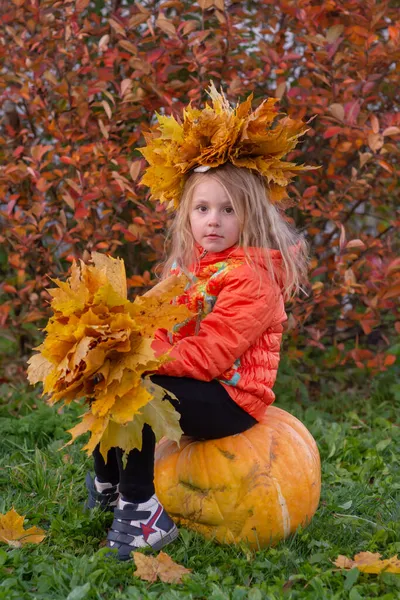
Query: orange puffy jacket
<point>236,334</point>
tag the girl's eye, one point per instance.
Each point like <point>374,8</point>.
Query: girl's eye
<point>203,208</point>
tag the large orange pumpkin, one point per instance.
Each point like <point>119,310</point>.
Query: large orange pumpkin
<point>257,486</point>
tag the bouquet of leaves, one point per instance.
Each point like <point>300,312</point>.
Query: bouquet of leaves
<point>97,348</point>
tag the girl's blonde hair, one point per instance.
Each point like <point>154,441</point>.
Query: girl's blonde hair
<point>262,226</point>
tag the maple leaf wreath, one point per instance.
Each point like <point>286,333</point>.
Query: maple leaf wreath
<point>215,135</point>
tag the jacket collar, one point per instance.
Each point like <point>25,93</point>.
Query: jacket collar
<point>206,258</point>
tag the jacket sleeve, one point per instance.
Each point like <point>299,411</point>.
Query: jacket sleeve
<point>244,309</point>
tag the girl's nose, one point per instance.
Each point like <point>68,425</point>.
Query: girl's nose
<point>214,220</point>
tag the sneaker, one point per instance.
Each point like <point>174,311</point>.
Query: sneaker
<point>101,495</point>
<point>144,525</point>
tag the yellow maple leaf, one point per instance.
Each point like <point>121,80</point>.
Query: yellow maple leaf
<point>130,403</point>
<point>123,426</point>
<point>98,346</point>
<point>126,437</point>
<point>68,298</point>
<point>164,287</point>
<point>89,423</point>
<point>170,128</point>
<point>12,530</point>
<point>40,368</point>
<point>151,568</point>
<point>151,315</point>
<point>369,562</point>
<point>114,271</point>
<point>160,413</point>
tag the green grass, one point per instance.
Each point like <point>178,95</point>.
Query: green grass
<point>359,440</point>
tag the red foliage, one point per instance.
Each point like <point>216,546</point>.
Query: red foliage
<point>80,82</point>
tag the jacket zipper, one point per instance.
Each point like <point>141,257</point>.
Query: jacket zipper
<point>198,320</point>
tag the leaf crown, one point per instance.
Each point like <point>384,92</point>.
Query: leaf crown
<point>208,138</point>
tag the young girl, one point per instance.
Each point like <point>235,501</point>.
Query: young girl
<point>243,260</point>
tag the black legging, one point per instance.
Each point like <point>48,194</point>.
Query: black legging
<point>207,412</point>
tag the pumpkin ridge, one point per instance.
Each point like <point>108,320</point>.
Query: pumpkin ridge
<point>214,498</point>
<point>197,448</point>
<point>260,458</point>
<point>284,508</point>
<point>263,474</point>
<point>308,448</point>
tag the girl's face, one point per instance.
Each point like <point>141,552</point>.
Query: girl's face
<point>214,223</point>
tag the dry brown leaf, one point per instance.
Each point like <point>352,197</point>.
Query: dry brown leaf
<point>149,568</point>
<point>12,530</point>
<point>369,562</point>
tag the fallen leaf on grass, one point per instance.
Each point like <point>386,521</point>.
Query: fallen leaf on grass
<point>12,530</point>
<point>369,562</point>
<point>161,566</point>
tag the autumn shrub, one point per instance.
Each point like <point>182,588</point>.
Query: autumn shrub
<point>81,80</point>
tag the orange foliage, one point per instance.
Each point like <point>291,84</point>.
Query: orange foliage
<point>80,85</point>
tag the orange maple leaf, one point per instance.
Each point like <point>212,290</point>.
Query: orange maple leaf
<point>151,568</point>
<point>12,530</point>
<point>369,562</point>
